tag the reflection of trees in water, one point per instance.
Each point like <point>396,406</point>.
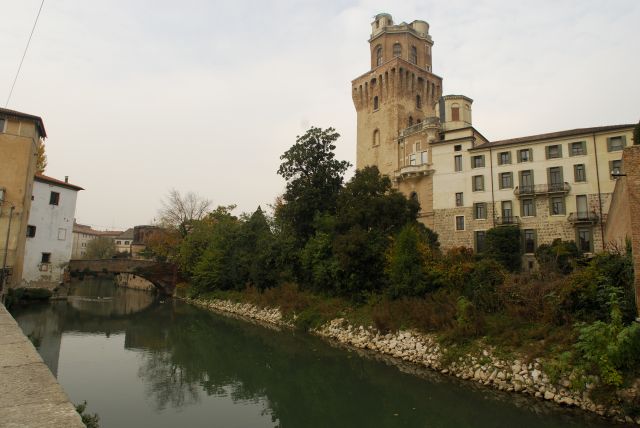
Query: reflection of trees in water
<point>167,382</point>
<point>303,382</point>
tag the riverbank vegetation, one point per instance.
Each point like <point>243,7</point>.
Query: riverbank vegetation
<point>356,250</point>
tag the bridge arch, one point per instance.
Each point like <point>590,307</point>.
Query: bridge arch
<point>163,276</point>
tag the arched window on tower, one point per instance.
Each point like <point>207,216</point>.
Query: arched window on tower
<point>397,49</point>
<point>455,112</point>
<point>410,120</point>
<point>379,55</point>
<point>375,103</point>
<point>418,101</point>
<point>413,56</point>
<point>376,138</point>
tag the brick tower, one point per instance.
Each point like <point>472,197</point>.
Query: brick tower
<point>399,91</point>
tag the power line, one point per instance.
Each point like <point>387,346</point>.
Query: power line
<point>23,55</point>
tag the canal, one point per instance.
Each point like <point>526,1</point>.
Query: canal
<point>140,361</point>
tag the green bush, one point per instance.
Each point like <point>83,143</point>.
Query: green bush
<point>589,293</point>
<point>503,244</point>
<point>559,256</point>
<point>609,349</point>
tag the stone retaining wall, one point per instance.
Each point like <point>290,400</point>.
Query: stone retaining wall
<point>424,350</point>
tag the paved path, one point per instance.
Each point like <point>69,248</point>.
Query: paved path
<point>30,396</point>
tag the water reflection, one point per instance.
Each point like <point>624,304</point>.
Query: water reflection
<point>169,364</point>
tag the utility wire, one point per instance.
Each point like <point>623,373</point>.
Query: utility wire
<point>23,55</point>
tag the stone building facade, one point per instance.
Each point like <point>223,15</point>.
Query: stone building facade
<point>20,134</point>
<point>553,185</point>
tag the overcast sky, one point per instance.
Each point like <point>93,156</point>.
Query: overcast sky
<point>139,97</point>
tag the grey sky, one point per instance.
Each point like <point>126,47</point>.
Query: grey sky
<point>142,96</point>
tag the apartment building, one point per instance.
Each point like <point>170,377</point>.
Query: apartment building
<point>552,185</point>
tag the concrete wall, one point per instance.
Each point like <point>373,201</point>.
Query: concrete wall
<point>54,230</point>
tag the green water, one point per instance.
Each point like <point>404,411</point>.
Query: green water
<point>141,362</point>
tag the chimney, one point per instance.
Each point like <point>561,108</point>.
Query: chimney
<point>66,178</point>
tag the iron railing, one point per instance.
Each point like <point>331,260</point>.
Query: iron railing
<point>541,189</point>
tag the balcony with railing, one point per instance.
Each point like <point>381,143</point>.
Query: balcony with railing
<point>542,189</point>
<point>428,122</point>
<point>583,217</point>
<point>508,221</point>
<point>413,171</point>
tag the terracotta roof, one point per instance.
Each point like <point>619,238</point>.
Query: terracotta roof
<point>552,135</point>
<point>20,115</point>
<point>46,179</point>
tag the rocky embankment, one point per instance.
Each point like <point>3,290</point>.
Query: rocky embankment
<point>424,350</point>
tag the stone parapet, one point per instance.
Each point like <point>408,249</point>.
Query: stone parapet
<point>30,396</point>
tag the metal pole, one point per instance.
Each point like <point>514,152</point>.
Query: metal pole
<point>6,251</point>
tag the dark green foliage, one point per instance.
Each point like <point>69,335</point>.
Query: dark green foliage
<point>636,134</point>
<point>407,262</point>
<point>368,201</point>
<point>481,288</point>
<point>503,244</point>
<point>314,178</point>
<point>590,293</point>
<point>559,257</point>
<point>89,419</point>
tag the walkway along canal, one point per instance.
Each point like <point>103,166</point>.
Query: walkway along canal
<point>140,361</point>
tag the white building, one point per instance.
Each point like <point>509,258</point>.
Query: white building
<point>123,241</point>
<point>49,234</point>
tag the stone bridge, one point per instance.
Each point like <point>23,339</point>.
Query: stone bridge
<point>163,276</point>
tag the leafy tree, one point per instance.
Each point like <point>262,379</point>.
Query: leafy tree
<point>368,200</point>
<point>41,157</point>
<point>100,248</point>
<point>503,245</point>
<point>557,257</point>
<point>314,178</point>
<point>409,273</point>
<point>636,134</point>
<point>179,211</point>
<point>163,244</point>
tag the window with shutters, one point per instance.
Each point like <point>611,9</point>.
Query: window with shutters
<point>480,211</point>
<point>527,207</point>
<point>615,167</point>
<point>457,160</point>
<point>579,173</point>
<point>554,152</point>
<point>584,239</point>
<point>525,155</point>
<point>459,199</point>
<point>506,180</point>
<point>477,161</point>
<point>504,158</point>
<point>478,183</point>
<point>529,241</point>
<point>480,241</point>
<point>557,205</point>
<point>578,148</point>
<point>615,144</point>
